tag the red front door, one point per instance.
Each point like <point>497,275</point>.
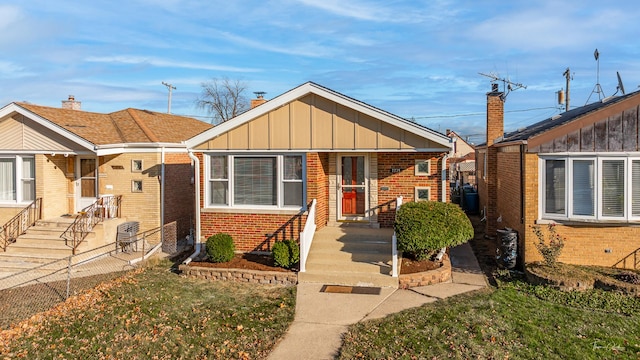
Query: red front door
<point>353,186</point>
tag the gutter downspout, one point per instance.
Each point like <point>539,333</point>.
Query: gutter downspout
<point>443,177</point>
<point>197,244</point>
<point>162,182</point>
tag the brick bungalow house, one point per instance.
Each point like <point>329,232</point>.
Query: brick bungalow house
<point>579,170</point>
<point>71,158</point>
<point>260,171</point>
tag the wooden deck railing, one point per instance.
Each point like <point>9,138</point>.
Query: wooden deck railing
<point>104,208</point>
<point>15,227</point>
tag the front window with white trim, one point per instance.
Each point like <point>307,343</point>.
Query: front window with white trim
<point>263,181</point>
<point>17,179</point>
<point>590,187</point>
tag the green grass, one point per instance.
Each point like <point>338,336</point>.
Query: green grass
<point>157,314</point>
<point>516,321</point>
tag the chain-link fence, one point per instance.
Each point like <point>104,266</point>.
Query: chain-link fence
<point>37,289</point>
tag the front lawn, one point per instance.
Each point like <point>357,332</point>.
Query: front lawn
<point>514,321</point>
<point>155,313</point>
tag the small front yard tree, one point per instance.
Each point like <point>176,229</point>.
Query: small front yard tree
<point>422,228</point>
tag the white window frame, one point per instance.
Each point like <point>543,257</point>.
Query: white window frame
<point>18,179</point>
<point>543,187</point>
<point>598,160</point>
<point>416,191</point>
<point>279,178</point>
<point>417,169</point>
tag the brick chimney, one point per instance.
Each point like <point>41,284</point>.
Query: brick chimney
<point>495,131</point>
<point>495,114</point>
<point>259,100</point>
<point>71,104</point>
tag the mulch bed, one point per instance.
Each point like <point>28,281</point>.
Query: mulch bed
<point>411,266</point>
<point>244,261</point>
<point>265,263</point>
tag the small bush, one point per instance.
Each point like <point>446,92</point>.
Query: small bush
<point>550,251</point>
<point>426,226</point>
<point>285,253</point>
<point>220,247</point>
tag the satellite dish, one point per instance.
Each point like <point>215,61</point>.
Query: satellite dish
<point>620,86</point>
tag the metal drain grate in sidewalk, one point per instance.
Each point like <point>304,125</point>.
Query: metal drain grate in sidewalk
<point>341,289</point>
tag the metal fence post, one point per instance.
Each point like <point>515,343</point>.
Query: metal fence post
<point>68,277</point>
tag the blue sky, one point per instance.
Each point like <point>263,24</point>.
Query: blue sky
<point>416,59</point>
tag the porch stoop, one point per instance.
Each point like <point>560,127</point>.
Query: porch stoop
<point>347,255</point>
<point>41,244</point>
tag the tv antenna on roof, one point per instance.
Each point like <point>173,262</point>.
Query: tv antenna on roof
<point>170,87</point>
<point>597,89</point>
<point>507,85</point>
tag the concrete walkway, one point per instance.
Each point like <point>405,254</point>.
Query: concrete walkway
<point>321,318</point>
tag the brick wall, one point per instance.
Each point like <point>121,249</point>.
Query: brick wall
<point>252,231</point>
<point>403,183</point>
<point>508,199</point>
<point>115,177</point>
<point>52,185</point>
<point>179,191</point>
<point>318,185</point>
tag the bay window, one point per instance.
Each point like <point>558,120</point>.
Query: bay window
<point>263,181</point>
<point>591,188</point>
<point>17,179</point>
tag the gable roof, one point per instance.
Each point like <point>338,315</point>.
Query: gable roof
<point>124,126</point>
<point>557,121</point>
<point>313,88</point>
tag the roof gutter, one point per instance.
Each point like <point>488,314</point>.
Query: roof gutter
<point>197,244</point>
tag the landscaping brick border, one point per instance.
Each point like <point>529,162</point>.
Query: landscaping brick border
<point>440,275</point>
<point>240,275</point>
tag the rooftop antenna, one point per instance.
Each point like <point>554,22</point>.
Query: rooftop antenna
<point>507,85</point>
<point>597,89</point>
<point>620,86</point>
<point>170,87</point>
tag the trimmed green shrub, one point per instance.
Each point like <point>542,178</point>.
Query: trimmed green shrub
<point>220,247</point>
<point>426,226</point>
<point>285,253</point>
<point>294,251</point>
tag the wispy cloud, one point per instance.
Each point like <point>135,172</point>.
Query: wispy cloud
<point>142,60</point>
<point>11,70</point>
<point>369,11</point>
<point>308,49</point>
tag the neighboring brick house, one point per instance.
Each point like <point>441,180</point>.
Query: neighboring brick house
<point>579,170</point>
<point>261,169</point>
<point>70,158</point>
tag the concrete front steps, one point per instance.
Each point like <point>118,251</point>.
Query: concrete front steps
<point>40,245</point>
<point>353,256</point>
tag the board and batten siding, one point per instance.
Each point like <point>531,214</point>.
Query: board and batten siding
<point>316,123</point>
<point>20,133</point>
<point>617,132</point>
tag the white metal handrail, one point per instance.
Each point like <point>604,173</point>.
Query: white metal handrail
<point>306,235</point>
<point>394,244</point>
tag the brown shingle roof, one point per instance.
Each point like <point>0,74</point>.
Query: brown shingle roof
<point>124,126</point>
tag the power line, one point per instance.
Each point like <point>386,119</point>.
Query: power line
<point>480,113</point>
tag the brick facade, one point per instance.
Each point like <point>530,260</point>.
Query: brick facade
<point>510,192</point>
<point>258,230</point>
<point>393,184</point>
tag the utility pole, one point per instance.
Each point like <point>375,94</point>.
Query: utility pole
<point>567,75</point>
<point>170,87</point>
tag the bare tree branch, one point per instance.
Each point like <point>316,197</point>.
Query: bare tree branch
<point>223,98</point>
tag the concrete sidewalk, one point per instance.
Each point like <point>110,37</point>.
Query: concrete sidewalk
<point>321,318</point>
